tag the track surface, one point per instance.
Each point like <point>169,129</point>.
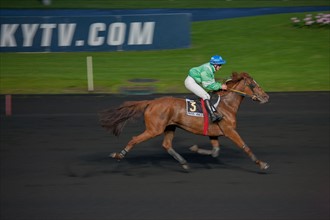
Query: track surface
<point>54,164</point>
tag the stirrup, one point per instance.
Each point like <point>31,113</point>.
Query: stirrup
<point>215,117</point>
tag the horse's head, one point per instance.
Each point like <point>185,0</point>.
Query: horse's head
<point>245,85</point>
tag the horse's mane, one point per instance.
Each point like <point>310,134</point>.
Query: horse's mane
<point>235,77</point>
<point>238,76</point>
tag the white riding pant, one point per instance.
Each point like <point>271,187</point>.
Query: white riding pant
<point>192,86</point>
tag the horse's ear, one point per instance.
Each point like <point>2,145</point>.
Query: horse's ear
<point>245,75</point>
<point>234,76</point>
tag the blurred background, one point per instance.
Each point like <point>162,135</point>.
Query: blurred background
<point>284,45</point>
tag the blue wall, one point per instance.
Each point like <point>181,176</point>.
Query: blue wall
<point>94,33</point>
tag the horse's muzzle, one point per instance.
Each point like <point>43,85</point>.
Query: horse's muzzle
<point>262,99</point>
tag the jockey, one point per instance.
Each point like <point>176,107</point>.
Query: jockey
<point>201,79</point>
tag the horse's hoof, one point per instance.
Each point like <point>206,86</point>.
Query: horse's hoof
<point>264,166</point>
<point>215,152</point>
<point>116,156</point>
<point>194,148</point>
<point>186,167</point>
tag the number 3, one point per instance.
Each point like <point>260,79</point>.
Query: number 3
<point>193,106</point>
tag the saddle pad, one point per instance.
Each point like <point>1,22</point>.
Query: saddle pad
<point>194,108</point>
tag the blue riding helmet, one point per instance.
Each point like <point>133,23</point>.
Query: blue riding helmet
<point>217,60</point>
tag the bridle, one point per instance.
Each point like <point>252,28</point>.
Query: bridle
<point>251,86</point>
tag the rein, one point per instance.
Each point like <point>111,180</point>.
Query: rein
<point>241,93</point>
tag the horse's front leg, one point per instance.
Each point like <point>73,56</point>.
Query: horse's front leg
<point>236,138</point>
<point>215,148</point>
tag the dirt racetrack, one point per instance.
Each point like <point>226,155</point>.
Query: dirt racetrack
<point>55,165</point>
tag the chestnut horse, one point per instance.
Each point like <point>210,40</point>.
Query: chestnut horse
<point>163,115</point>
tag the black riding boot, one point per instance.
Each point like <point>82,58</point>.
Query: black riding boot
<point>214,115</point>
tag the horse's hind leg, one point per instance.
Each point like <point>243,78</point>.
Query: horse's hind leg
<point>215,148</point>
<point>167,144</point>
<point>146,135</point>
<point>155,125</point>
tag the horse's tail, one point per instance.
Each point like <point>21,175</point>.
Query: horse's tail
<point>114,119</point>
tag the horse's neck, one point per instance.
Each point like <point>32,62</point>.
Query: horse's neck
<point>232,100</point>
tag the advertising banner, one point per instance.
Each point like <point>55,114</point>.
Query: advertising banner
<point>97,33</point>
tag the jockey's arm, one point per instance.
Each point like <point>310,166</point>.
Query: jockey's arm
<point>209,83</point>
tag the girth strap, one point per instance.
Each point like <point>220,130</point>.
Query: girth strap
<point>206,118</point>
